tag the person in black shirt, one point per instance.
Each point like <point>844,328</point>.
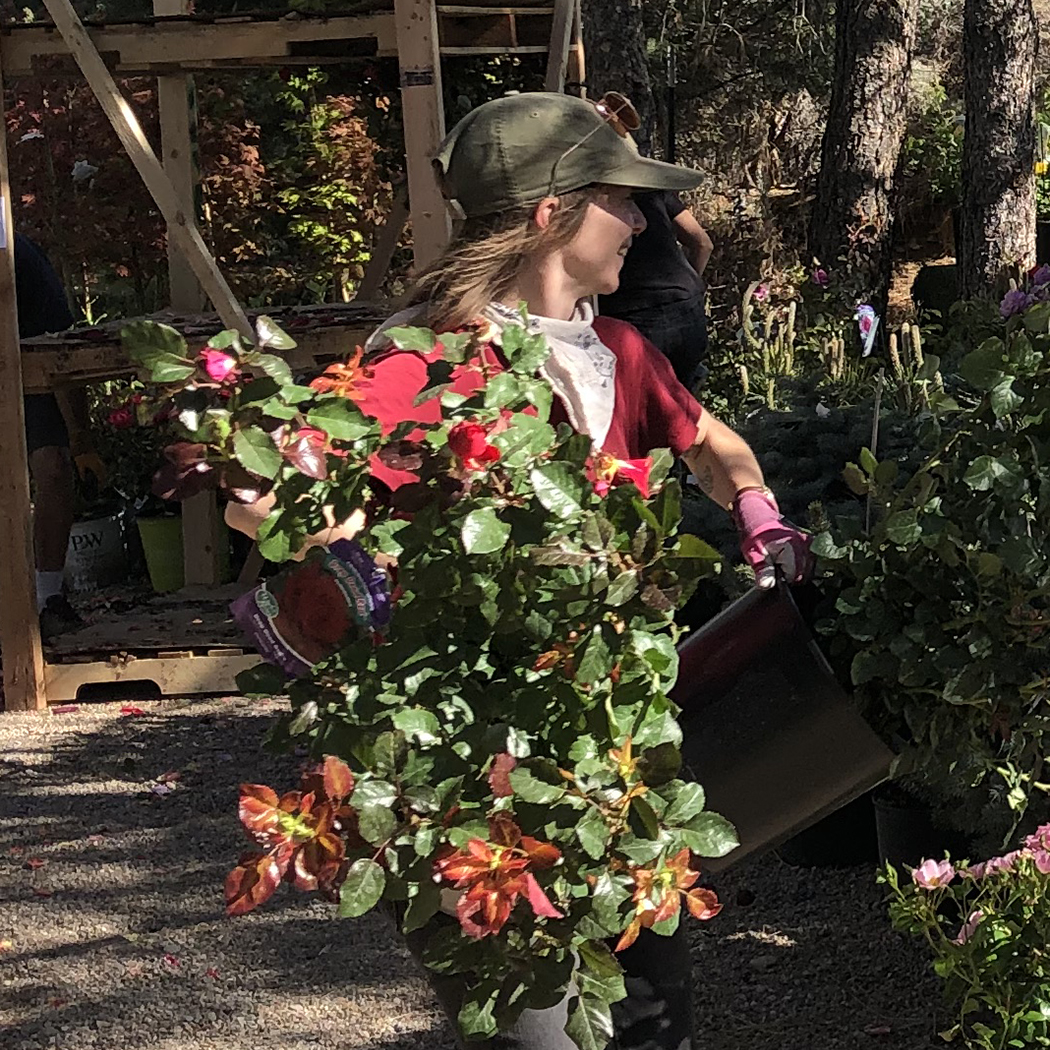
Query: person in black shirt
<point>661,285</point>
<point>42,307</point>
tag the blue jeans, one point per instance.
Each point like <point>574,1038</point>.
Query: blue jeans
<point>679,332</point>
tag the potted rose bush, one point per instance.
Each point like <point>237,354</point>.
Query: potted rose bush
<point>987,926</point>
<point>501,745</point>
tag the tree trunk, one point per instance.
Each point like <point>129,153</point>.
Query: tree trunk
<point>997,228</point>
<point>614,45</point>
<point>852,222</point>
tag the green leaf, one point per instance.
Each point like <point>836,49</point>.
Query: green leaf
<point>593,833</point>
<point>275,367</point>
<point>597,660</point>
<point>660,764</point>
<point>477,1016</point>
<point>559,487</point>
<point>623,588</point>
<point>690,546</point>
<point>144,337</point>
<point>421,340</point>
<point>373,793</point>
<point>483,532</point>
<point>824,546</point>
<point>531,789</point>
<point>644,819</point>
<point>268,333</point>
<point>422,905</point>
<point>607,897</point>
<point>710,835</point>
<point>855,479</point>
<point>903,528</point>
<point>364,885</point>
<point>389,753</point>
<point>868,462</point>
<point>1004,399</point>
<point>262,680</point>
<point>983,473</point>
<point>340,418</point>
<point>419,725</point>
<point>256,452</point>
<point>525,352</point>
<point>590,1024</point>
<point>689,801</point>
<point>376,823</point>
<point>983,367</point>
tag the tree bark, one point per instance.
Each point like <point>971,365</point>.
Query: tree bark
<point>851,228</point>
<point>997,228</point>
<point>614,43</point>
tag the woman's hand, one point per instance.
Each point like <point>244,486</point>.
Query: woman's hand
<point>768,542</point>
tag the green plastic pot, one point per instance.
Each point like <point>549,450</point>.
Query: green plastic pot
<point>162,545</point>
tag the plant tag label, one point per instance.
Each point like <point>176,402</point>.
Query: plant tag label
<point>3,224</point>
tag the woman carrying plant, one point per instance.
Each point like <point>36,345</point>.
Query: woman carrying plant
<point>543,185</point>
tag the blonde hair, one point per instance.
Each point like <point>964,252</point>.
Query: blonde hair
<point>486,256</point>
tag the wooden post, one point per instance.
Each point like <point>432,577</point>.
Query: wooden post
<point>576,74</point>
<point>385,246</point>
<point>128,129</point>
<point>419,57</point>
<point>561,36</point>
<point>23,658</point>
<point>176,102</point>
<point>178,118</point>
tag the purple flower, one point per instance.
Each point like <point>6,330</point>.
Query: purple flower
<point>820,277</point>
<point>761,293</point>
<point>969,927</point>
<point>932,874</point>
<point>1013,303</point>
<point>1041,276</point>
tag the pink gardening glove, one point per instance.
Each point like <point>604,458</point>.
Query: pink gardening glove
<point>768,542</point>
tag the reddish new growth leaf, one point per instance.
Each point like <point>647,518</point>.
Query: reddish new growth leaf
<point>302,834</point>
<point>343,379</point>
<point>658,893</point>
<point>495,874</point>
<point>306,450</point>
<point>499,775</point>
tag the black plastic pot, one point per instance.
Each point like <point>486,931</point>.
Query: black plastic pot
<point>845,839</point>
<point>908,833</point>
<point>769,733</point>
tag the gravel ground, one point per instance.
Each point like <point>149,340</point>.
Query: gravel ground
<point>116,832</point>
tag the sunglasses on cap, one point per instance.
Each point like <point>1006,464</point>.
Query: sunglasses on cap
<point>617,111</point>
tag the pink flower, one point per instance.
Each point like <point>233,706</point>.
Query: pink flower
<point>1004,863</point>
<point>761,293</point>
<point>219,365</point>
<point>933,874</point>
<point>1042,861</point>
<point>820,277</point>
<point>1040,839</point>
<point>969,927</point>
<point>975,872</point>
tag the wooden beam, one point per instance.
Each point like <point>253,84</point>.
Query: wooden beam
<point>424,120</point>
<point>385,246</point>
<point>131,135</point>
<point>24,688</point>
<point>174,45</point>
<point>178,674</point>
<point>561,35</point>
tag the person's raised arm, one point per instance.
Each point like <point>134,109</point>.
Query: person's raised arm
<point>726,470</point>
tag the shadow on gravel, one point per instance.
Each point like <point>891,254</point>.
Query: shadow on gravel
<point>114,845</point>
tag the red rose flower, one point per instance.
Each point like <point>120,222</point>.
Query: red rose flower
<point>608,471</point>
<point>122,418</point>
<point>470,445</point>
<point>219,365</point>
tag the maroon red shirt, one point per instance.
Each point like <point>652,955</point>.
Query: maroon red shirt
<point>651,409</point>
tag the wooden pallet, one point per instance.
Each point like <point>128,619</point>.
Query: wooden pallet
<point>184,643</point>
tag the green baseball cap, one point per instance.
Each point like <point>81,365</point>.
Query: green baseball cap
<point>521,148</point>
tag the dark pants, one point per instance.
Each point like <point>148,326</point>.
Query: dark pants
<point>679,332</point>
<point>656,1015</point>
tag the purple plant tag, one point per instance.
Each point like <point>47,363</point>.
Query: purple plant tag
<point>315,607</point>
